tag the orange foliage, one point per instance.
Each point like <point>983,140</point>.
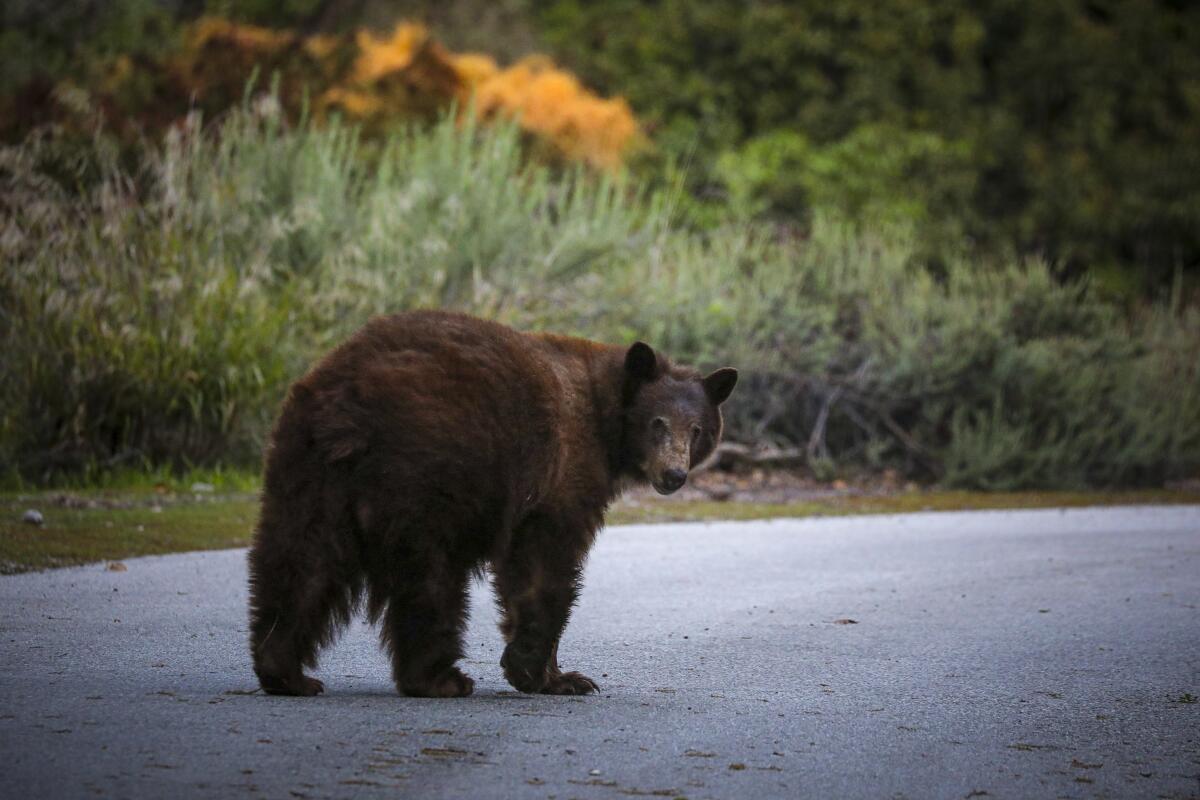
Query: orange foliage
<point>242,37</point>
<point>474,68</point>
<point>382,56</point>
<point>552,103</point>
<point>408,73</point>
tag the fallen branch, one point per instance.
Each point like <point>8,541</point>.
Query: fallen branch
<point>731,456</point>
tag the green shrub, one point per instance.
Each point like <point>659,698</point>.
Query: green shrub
<point>995,379</point>
<point>155,316</point>
<point>1069,126</point>
<point>125,341</point>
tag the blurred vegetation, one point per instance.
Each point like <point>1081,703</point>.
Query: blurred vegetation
<point>377,80</point>
<point>157,316</point>
<point>1064,129</point>
<point>958,240</point>
<point>1067,129</point>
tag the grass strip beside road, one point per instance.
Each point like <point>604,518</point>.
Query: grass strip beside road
<point>71,536</point>
<point>132,526</point>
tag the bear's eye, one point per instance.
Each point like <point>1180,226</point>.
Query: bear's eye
<point>695,434</point>
<point>659,426</point>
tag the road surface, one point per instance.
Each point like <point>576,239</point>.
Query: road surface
<point>992,654</point>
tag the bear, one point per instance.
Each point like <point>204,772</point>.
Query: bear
<point>432,446</point>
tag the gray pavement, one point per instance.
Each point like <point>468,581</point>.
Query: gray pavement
<point>994,654</point>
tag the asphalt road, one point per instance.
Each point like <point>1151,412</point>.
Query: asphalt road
<point>994,654</point>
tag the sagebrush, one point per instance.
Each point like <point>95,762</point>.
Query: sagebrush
<point>155,314</point>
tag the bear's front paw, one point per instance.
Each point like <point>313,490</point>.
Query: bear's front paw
<point>570,683</point>
<point>296,685</point>
<point>524,668</point>
<point>448,683</point>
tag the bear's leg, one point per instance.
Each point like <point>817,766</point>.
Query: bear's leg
<point>294,611</point>
<point>423,631</point>
<point>537,585</point>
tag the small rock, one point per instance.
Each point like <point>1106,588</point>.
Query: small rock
<point>117,566</point>
<point>593,772</point>
<point>200,486</point>
<point>33,517</point>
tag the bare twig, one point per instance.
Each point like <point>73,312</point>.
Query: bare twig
<point>913,446</point>
<point>816,441</point>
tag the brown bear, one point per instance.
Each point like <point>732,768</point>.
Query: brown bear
<point>431,446</point>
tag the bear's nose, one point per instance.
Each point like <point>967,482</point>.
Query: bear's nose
<point>673,478</point>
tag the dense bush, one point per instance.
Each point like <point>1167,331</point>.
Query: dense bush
<point>378,81</point>
<point>1063,128</point>
<point>987,379</point>
<point>156,315</point>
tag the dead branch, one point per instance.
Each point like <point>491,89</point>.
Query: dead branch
<point>730,456</point>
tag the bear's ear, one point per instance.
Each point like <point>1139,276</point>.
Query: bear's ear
<point>719,384</point>
<point>640,361</point>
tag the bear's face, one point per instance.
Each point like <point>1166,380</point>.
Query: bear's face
<point>672,417</point>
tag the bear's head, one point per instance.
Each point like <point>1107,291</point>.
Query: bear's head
<point>672,417</point>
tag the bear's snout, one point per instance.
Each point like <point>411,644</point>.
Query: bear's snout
<point>671,480</point>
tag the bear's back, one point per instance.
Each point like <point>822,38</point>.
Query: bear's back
<point>437,385</point>
<point>426,411</point>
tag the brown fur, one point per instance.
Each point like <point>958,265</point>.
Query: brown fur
<point>431,445</point>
